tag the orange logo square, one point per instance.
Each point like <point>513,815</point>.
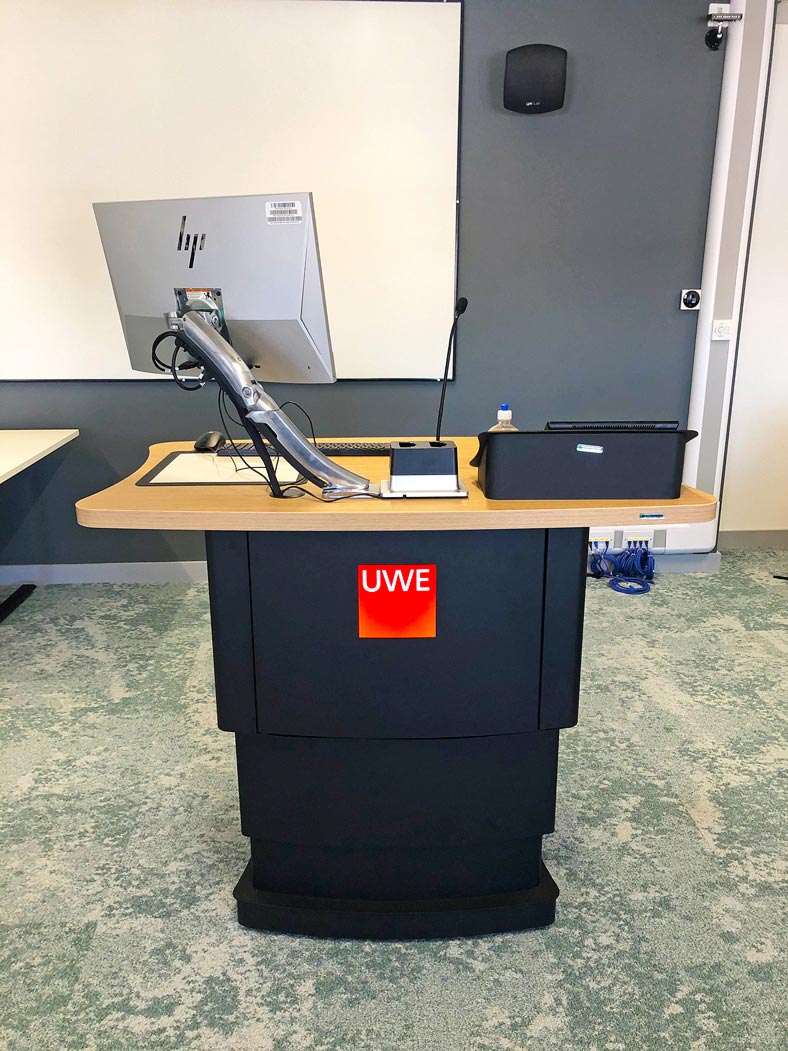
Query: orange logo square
<point>397,602</point>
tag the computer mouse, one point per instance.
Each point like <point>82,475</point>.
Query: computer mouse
<point>210,442</point>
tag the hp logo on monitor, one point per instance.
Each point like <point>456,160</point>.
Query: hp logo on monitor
<point>190,242</point>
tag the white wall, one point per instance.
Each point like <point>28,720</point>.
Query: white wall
<point>135,99</point>
<point>756,481</point>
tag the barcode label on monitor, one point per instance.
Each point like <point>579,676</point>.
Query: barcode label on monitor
<point>283,212</point>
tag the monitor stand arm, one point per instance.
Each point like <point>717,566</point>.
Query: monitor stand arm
<point>261,416</point>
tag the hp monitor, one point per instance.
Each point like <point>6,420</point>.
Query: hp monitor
<point>254,258</point>
<point>234,283</point>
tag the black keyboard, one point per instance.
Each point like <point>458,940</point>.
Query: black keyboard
<point>614,425</point>
<point>327,448</point>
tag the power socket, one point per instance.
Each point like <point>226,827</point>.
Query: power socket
<point>638,537</point>
<point>619,540</point>
<point>600,537</point>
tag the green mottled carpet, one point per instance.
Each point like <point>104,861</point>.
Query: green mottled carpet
<point>120,847</point>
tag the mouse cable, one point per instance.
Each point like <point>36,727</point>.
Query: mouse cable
<point>247,466</point>
<point>306,414</point>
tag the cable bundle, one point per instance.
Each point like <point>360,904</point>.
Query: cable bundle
<point>190,382</point>
<point>628,573</point>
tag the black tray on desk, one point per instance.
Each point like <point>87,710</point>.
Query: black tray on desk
<point>581,465</point>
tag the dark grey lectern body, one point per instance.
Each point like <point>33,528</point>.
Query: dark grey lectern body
<point>397,787</point>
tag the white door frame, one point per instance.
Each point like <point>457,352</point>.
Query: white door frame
<point>747,59</point>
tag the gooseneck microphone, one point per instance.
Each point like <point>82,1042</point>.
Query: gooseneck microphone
<point>459,309</point>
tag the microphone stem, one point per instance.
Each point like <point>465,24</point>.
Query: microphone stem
<point>452,334</point>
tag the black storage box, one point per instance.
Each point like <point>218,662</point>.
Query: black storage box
<point>581,465</point>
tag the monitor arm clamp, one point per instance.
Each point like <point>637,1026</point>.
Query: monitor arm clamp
<point>264,421</point>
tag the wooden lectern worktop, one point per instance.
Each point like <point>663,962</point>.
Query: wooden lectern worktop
<point>396,674</point>
<point>227,507</point>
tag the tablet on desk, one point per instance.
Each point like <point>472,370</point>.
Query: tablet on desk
<point>199,468</point>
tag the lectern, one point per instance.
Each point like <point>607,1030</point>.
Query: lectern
<point>396,675</point>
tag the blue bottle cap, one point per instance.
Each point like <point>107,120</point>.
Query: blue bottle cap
<point>505,407</point>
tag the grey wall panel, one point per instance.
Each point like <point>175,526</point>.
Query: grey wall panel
<point>579,227</point>
<point>577,230</point>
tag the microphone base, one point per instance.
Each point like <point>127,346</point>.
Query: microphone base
<point>423,467</point>
<point>386,492</point>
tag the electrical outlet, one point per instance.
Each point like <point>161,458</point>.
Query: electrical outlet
<point>722,328</point>
<point>600,537</point>
<point>619,540</point>
<point>639,537</point>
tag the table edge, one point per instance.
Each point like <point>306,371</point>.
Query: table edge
<point>67,434</point>
<point>579,514</point>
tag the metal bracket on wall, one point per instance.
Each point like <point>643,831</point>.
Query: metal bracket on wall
<point>719,18</point>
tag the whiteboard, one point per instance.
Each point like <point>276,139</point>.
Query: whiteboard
<point>353,100</point>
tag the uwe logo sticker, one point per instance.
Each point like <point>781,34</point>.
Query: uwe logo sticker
<point>396,602</point>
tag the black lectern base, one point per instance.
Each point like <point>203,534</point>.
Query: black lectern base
<point>397,786</point>
<point>396,920</point>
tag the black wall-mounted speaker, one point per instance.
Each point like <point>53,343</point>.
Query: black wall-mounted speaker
<point>535,78</point>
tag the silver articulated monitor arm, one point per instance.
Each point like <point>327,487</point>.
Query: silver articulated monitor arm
<point>261,416</point>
